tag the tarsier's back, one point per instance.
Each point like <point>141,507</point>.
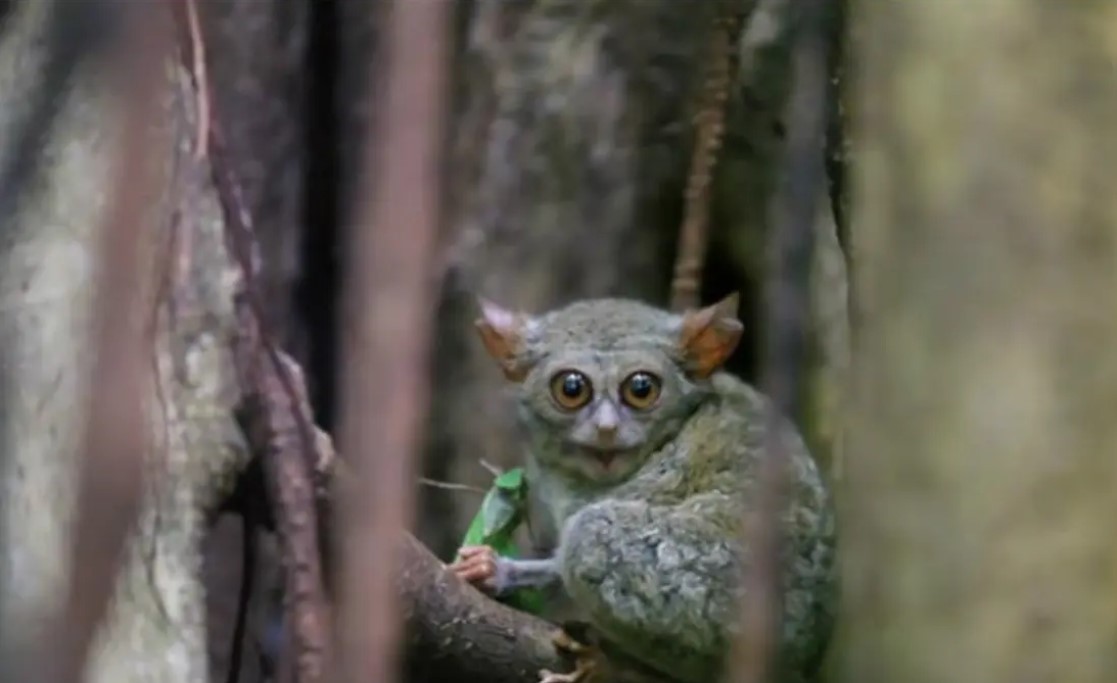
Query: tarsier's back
<point>644,454</point>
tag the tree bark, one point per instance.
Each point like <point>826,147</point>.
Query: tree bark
<point>978,516</point>
<point>154,630</point>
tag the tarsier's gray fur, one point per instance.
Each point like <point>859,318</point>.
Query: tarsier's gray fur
<point>648,548</point>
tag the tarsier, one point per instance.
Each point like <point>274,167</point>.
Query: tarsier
<point>642,457</point>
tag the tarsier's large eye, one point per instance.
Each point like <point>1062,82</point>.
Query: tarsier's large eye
<point>640,390</point>
<point>571,389</point>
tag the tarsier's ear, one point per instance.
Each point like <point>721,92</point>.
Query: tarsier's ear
<point>710,335</point>
<point>504,334</point>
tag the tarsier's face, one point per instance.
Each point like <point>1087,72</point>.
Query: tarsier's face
<point>605,410</point>
<point>603,383</point>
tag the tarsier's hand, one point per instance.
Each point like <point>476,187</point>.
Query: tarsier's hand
<point>478,565</point>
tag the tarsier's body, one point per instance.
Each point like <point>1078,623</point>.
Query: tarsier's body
<point>642,459</point>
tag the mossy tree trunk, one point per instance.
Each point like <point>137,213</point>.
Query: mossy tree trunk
<point>978,515</point>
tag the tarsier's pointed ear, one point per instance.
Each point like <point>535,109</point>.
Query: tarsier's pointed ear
<point>710,335</point>
<point>504,334</point>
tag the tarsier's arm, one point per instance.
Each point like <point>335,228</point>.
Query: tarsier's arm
<point>498,576</point>
<point>657,580</point>
<point>512,574</point>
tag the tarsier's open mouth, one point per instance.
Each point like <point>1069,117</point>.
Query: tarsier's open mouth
<point>608,460</point>
<point>603,460</point>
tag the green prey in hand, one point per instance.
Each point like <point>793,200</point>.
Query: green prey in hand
<point>491,535</point>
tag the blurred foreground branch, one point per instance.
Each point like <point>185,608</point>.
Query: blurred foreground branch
<point>116,435</point>
<point>787,299</point>
<point>388,301</point>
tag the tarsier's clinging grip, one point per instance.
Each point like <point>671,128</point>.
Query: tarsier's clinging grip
<point>642,455</point>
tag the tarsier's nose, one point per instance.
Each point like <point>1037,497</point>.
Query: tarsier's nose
<point>606,422</point>
<point>607,434</point>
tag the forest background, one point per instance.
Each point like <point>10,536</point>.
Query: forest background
<point>960,370</point>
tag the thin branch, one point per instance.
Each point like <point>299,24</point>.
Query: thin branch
<point>451,486</point>
<point>273,428</point>
<point>788,304</point>
<point>709,129</point>
<point>116,438</point>
<point>389,309</point>
<point>198,49</point>
<point>490,468</point>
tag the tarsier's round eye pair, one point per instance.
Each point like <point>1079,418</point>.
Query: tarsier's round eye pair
<point>572,390</point>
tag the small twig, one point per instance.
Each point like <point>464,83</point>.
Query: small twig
<point>709,129</point>
<point>490,468</point>
<point>451,486</point>
<point>198,50</point>
<point>273,430</point>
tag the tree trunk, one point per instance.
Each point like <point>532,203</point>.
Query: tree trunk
<point>978,535</point>
<point>155,628</point>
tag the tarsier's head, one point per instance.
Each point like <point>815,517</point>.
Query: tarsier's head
<point>602,383</point>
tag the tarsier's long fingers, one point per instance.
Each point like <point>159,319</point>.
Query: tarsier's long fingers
<point>477,565</point>
<point>469,551</point>
<point>475,560</point>
<point>474,573</point>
